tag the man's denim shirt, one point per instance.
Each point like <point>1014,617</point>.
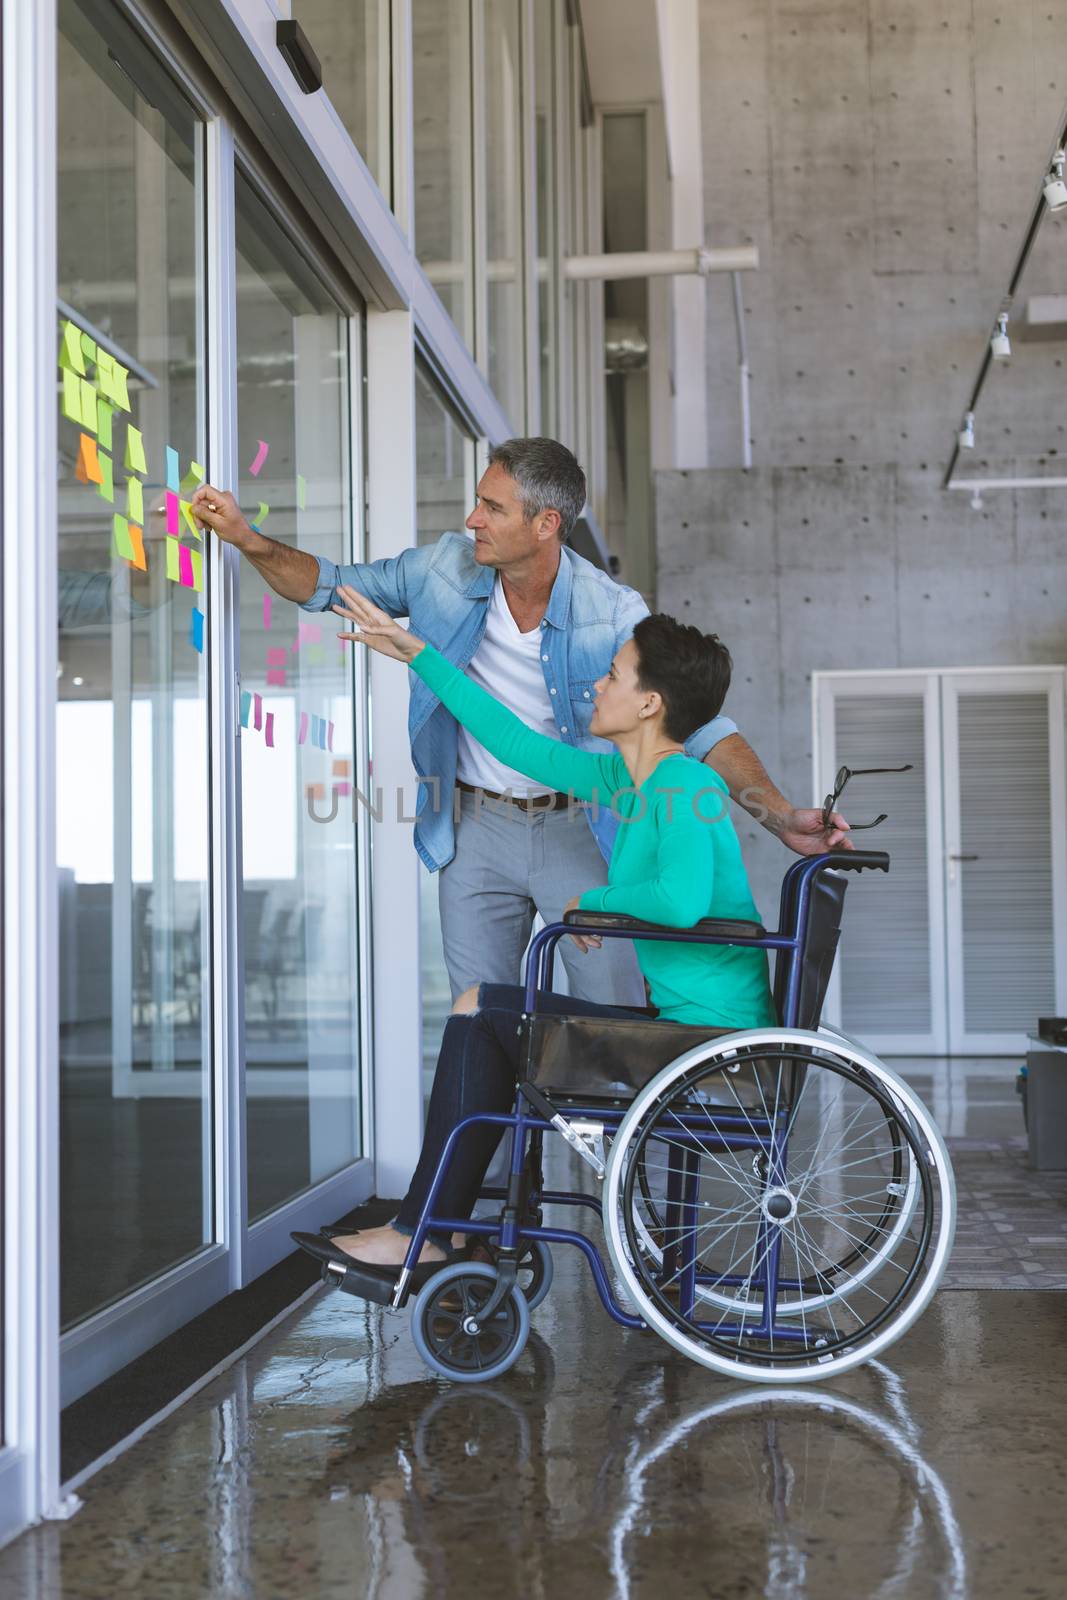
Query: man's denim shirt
<point>443,591</point>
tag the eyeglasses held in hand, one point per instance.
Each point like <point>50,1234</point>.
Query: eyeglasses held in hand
<point>829,805</point>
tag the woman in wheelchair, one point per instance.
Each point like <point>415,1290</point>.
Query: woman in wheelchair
<point>676,860</point>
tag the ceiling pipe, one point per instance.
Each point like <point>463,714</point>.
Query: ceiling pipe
<point>662,263</point>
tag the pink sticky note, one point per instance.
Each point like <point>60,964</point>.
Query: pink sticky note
<point>255,466</point>
<point>269,729</point>
<point>276,656</point>
<point>276,677</point>
<point>301,737</point>
<point>172,514</point>
<point>185,567</point>
<point>307,633</point>
<point>266,610</point>
<point>257,711</point>
<point>329,737</point>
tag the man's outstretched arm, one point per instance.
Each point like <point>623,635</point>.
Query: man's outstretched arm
<point>800,828</point>
<point>294,574</point>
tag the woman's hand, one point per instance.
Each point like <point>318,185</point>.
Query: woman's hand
<point>376,629</point>
<point>584,941</point>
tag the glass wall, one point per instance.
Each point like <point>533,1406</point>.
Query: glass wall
<point>504,206</point>
<point>351,39</point>
<point>441,135</point>
<point>131,732</point>
<point>444,454</point>
<point>298,718</point>
<point>547,145</point>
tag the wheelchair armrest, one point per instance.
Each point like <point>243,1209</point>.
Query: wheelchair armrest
<point>723,926</point>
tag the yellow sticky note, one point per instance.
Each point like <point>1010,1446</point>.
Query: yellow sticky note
<point>193,478</point>
<point>88,394</point>
<point>262,514</point>
<point>104,414</point>
<point>135,500</point>
<point>79,400</point>
<point>70,349</point>
<point>106,487</point>
<point>190,521</point>
<point>88,347</point>
<point>172,561</point>
<point>121,544</point>
<point>135,457</point>
<point>198,571</point>
<point>120,393</point>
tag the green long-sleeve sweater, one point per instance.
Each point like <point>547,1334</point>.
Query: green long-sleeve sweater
<point>676,857</point>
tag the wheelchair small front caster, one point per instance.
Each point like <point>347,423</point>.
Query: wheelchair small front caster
<point>447,1331</point>
<point>535,1269</point>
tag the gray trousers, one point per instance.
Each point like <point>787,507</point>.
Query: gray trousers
<point>509,865</point>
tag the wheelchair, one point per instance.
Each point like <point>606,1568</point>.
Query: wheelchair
<point>776,1203</point>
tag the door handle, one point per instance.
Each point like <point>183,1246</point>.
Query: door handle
<point>964,858</point>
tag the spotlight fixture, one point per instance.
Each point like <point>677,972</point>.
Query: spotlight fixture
<point>1055,190</point>
<point>1000,344</point>
<point>966,435</point>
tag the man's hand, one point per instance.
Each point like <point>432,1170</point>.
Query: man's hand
<point>584,941</point>
<point>802,830</point>
<point>376,628</point>
<point>217,509</point>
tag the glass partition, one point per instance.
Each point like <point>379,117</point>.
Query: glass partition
<point>441,69</point>
<point>547,147</point>
<point>302,1039</point>
<point>132,770</point>
<point>503,205</point>
<point>351,40</point>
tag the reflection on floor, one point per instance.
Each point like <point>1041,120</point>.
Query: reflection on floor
<point>330,1463</point>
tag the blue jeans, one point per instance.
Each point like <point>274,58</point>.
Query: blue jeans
<point>477,1070</point>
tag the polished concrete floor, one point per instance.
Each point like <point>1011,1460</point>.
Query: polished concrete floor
<point>330,1463</point>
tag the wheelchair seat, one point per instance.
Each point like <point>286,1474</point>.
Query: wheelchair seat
<point>606,1060</point>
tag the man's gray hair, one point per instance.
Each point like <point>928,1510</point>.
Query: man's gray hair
<point>548,476</point>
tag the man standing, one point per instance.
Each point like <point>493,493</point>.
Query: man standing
<point>536,625</point>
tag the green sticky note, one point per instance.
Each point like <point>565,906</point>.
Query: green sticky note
<point>135,458</point>
<point>88,347</point>
<point>71,403</point>
<point>135,500</point>
<point>106,487</point>
<point>121,394</point>
<point>173,559</point>
<point>88,394</point>
<point>104,414</point>
<point>193,478</point>
<point>121,543</point>
<point>262,514</point>
<point>190,521</point>
<point>70,350</point>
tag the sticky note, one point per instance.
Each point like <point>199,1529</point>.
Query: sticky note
<point>104,414</point>
<point>301,492</point>
<point>79,400</point>
<point>135,500</point>
<point>185,567</point>
<point>316,791</point>
<point>276,656</point>
<point>121,544</point>
<point>70,349</point>
<point>266,610</point>
<point>196,629</point>
<point>172,469</point>
<point>106,487</point>
<point>276,677</point>
<point>88,347</point>
<point>87,466</point>
<point>329,736</point>
<point>262,514</point>
<point>138,559</point>
<point>301,737</point>
<point>246,706</point>
<point>198,571</point>
<point>255,466</point>
<point>111,377</point>
<point>135,458</point>
<point>268,731</point>
<point>257,711</point>
<point>172,560</point>
<point>340,769</point>
<point>193,478</point>
<point>172,514</point>
<point>189,520</point>
<point>307,633</point>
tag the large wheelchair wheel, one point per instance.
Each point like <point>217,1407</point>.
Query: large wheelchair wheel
<point>450,1334</point>
<point>776,1152</point>
<point>859,1255</point>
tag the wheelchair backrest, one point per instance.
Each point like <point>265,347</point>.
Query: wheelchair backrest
<point>825,904</point>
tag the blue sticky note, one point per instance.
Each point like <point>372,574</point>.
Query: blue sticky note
<point>196,629</point>
<point>172,470</point>
<point>246,707</point>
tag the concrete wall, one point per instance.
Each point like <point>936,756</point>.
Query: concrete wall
<point>884,154</point>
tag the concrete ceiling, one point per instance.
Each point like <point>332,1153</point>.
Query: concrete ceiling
<point>622,49</point>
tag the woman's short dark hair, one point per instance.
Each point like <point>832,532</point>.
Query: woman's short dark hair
<point>689,669</point>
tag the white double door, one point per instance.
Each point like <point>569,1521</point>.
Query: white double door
<point>964,945</point>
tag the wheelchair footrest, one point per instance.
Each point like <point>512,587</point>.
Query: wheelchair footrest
<point>364,1285</point>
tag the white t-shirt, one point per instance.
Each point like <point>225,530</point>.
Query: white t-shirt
<point>507,664</point>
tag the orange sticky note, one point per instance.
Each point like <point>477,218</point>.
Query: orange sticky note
<point>138,558</point>
<point>87,469</point>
